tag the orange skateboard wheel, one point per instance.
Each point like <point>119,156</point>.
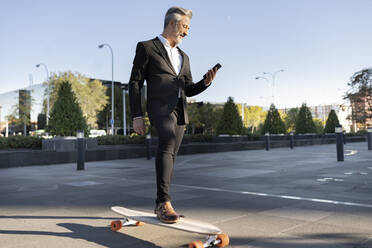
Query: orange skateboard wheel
<point>224,240</point>
<point>116,225</point>
<point>196,244</point>
<point>139,223</point>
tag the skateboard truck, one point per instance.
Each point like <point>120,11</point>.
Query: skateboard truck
<point>118,224</point>
<point>128,222</point>
<point>211,240</point>
<point>220,240</point>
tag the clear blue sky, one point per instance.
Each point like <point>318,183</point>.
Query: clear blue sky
<point>319,43</point>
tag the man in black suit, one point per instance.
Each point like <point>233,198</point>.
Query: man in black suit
<point>166,69</point>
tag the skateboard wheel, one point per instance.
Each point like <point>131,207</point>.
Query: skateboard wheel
<point>224,240</point>
<point>116,225</point>
<point>139,223</point>
<point>196,244</point>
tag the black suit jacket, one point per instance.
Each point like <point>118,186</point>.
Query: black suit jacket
<point>151,63</point>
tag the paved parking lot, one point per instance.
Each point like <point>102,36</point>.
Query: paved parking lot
<point>280,198</point>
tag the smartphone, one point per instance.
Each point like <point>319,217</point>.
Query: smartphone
<point>217,66</point>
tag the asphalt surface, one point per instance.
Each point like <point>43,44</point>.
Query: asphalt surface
<point>280,198</point>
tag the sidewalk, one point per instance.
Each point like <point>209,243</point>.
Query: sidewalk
<point>280,198</point>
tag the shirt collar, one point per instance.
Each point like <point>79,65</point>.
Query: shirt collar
<point>165,42</point>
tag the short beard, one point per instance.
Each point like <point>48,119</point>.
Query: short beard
<point>176,31</point>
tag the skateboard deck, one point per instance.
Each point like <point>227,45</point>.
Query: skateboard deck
<point>135,217</point>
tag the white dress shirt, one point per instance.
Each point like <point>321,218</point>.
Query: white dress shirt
<point>173,54</point>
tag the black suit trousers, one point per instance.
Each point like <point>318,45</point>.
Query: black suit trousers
<point>170,129</point>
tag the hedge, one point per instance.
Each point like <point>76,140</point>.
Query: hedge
<point>13,142</point>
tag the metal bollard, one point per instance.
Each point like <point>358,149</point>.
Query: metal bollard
<point>291,140</point>
<point>344,137</point>
<point>369,138</point>
<point>267,139</point>
<point>80,150</point>
<point>148,146</point>
<point>339,144</point>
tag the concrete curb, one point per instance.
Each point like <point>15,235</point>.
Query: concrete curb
<point>16,158</point>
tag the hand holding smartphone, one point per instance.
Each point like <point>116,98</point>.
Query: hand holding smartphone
<point>217,66</point>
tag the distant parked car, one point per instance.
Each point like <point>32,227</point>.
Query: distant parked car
<point>38,133</point>
<point>95,133</point>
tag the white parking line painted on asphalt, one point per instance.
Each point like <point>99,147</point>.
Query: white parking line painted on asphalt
<point>350,152</point>
<point>82,184</point>
<point>356,173</point>
<point>328,179</point>
<point>291,197</point>
<point>280,196</point>
<point>338,180</point>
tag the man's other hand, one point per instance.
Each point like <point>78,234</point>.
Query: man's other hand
<point>209,76</point>
<point>139,125</point>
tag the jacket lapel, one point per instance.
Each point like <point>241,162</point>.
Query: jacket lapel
<point>163,53</point>
<point>184,58</point>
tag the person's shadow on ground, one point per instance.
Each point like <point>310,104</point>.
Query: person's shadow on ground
<point>98,235</point>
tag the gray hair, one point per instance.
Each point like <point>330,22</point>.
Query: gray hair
<point>175,13</point>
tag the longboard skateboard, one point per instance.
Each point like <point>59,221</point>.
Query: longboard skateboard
<point>138,218</point>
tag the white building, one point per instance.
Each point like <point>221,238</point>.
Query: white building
<point>343,112</point>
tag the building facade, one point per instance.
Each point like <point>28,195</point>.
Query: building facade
<point>15,102</point>
<point>343,113</point>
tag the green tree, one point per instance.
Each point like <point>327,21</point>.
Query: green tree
<point>193,113</point>
<point>360,95</point>
<point>273,123</point>
<point>332,122</point>
<point>290,119</point>
<point>319,125</point>
<point>202,116</point>
<point>104,116</point>
<point>242,107</point>
<point>91,95</point>
<point>209,116</point>
<point>215,120</point>
<point>66,116</point>
<point>254,116</point>
<point>304,121</point>
<point>230,122</point>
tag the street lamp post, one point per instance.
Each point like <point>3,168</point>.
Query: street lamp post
<point>48,90</point>
<point>125,88</point>
<point>6,127</point>
<point>112,87</point>
<point>267,80</point>
<point>273,80</point>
